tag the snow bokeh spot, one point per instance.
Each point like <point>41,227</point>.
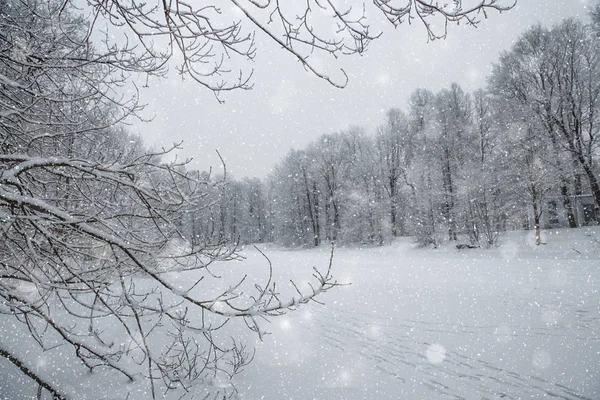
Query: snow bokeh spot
<point>307,315</point>
<point>509,250</point>
<point>41,363</point>
<point>345,377</point>
<point>436,353</point>
<point>284,98</point>
<point>473,74</point>
<point>503,334</point>
<point>374,331</point>
<point>558,277</point>
<point>383,79</point>
<point>541,359</point>
<point>338,378</point>
<point>285,324</point>
<point>551,315</point>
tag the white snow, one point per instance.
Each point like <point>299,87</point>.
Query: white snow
<point>513,322</point>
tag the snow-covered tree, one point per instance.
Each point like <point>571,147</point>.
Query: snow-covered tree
<point>95,272</point>
<point>395,149</point>
<point>212,43</point>
<point>421,181</point>
<point>555,73</point>
<point>451,131</point>
<point>485,178</point>
<point>364,218</point>
<point>295,201</point>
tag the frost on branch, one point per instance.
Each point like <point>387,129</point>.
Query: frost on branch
<point>89,262</point>
<point>97,273</point>
<point>210,43</point>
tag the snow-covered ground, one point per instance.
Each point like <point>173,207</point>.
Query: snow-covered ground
<point>514,322</point>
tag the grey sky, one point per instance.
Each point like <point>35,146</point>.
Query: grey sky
<point>289,107</point>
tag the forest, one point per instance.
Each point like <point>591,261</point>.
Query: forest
<point>450,166</point>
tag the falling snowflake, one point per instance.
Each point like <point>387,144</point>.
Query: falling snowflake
<point>285,324</point>
<point>436,353</point>
<point>541,359</point>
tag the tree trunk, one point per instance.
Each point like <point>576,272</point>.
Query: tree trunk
<point>393,207</point>
<point>449,197</point>
<point>336,221</point>
<point>564,190</point>
<point>536,220</point>
<point>317,224</point>
<point>222,218</point>
<point>577,187</point>
<point>593,183</point>
<point>568,206</point>
<point>328,220</point>
<point>311,213</point>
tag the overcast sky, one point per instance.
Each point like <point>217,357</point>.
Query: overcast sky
<point>289,107</point>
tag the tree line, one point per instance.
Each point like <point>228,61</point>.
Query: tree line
<point>451,166</point>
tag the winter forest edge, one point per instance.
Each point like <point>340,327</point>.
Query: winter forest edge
<point>102,238</point>
<point>453,166</point>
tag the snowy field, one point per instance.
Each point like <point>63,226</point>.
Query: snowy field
<point>513,322</point>
<point>516,322</point>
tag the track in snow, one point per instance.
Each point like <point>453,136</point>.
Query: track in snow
<point>427,324</point>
